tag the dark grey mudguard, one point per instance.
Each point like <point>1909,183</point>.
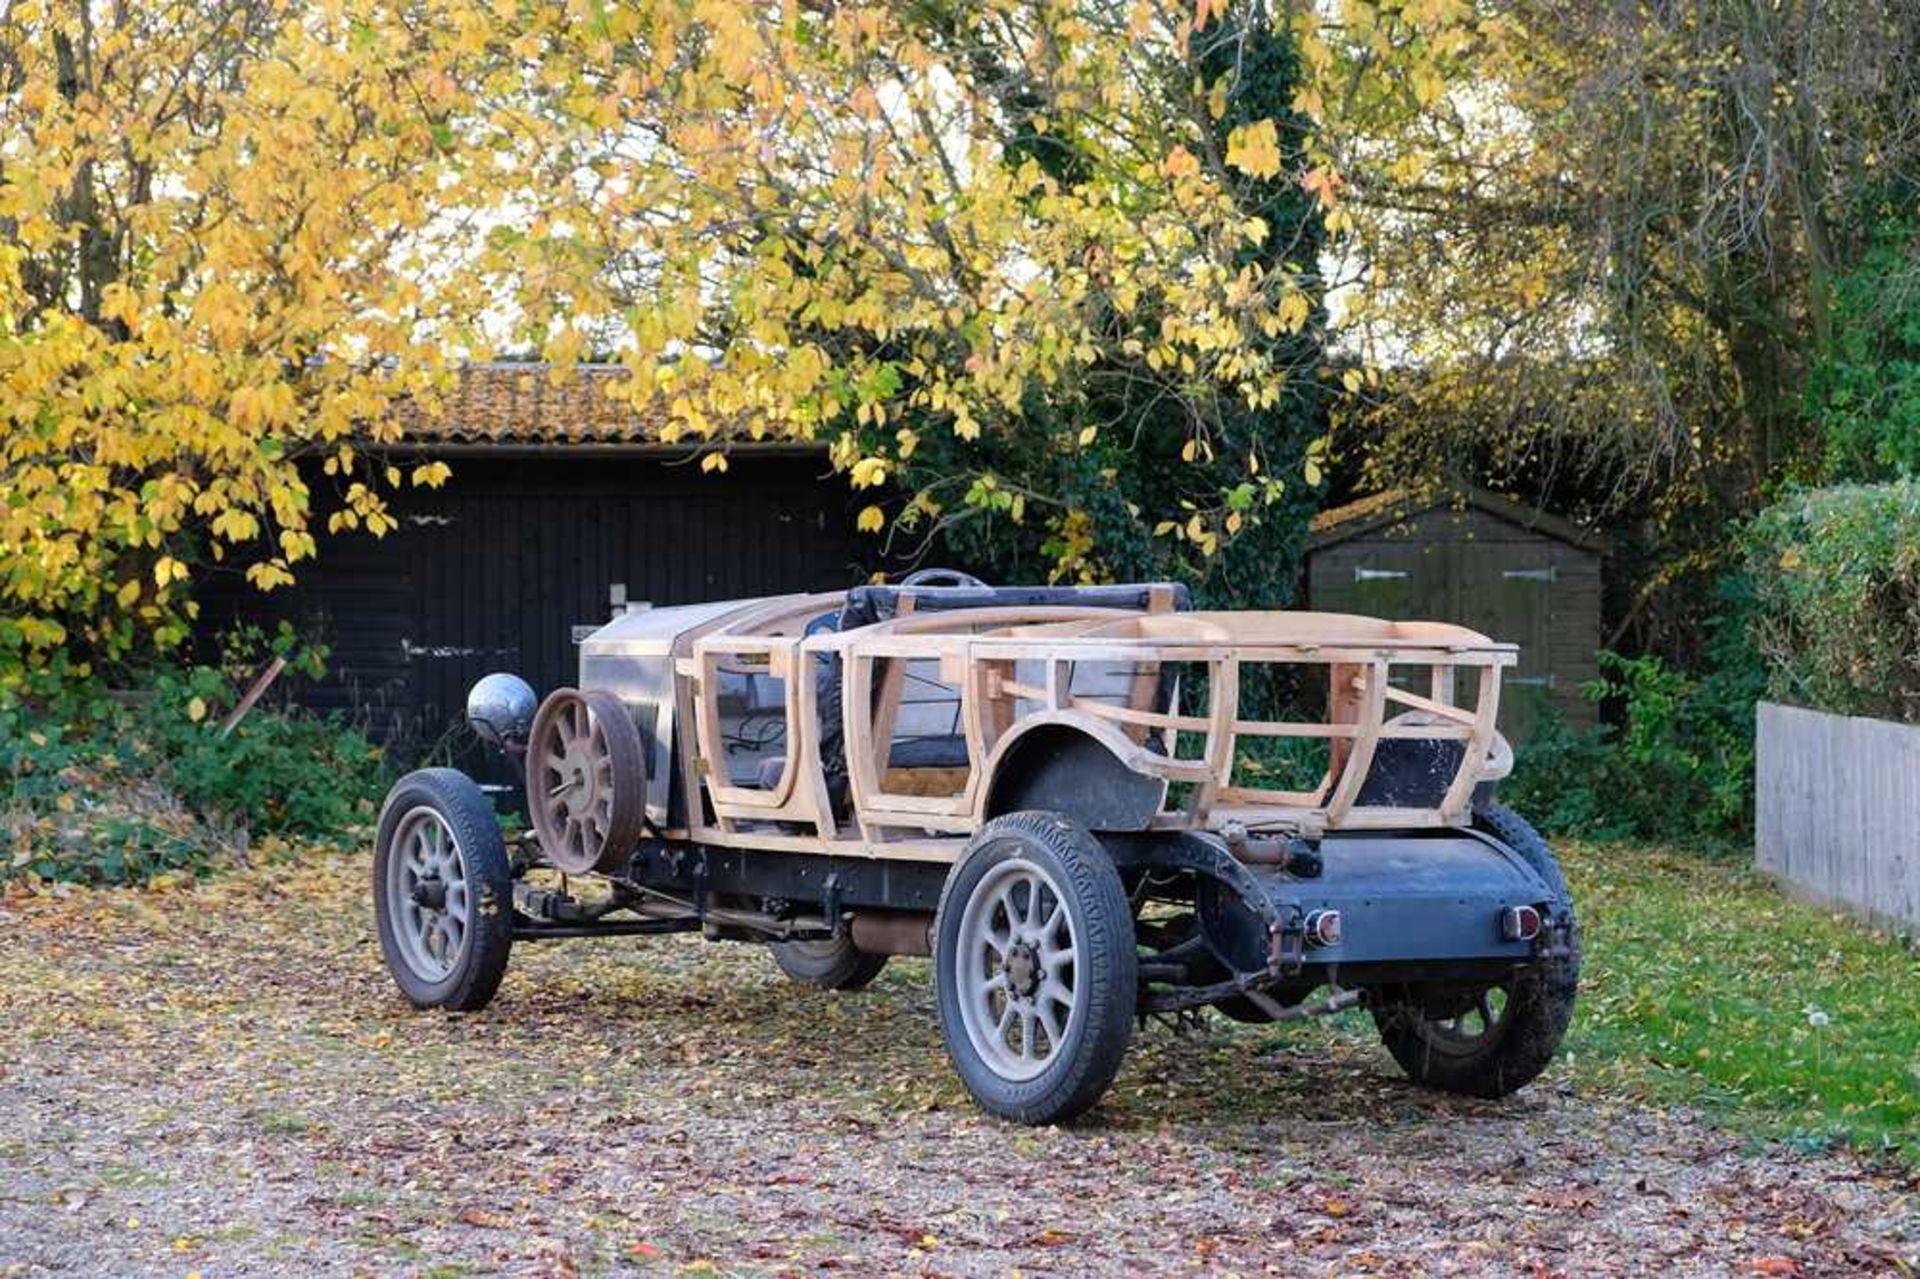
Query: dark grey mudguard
<point>1402,898</point>
<point>1431,897</point>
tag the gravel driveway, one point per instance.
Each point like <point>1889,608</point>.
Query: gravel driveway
<point>223,1081</point>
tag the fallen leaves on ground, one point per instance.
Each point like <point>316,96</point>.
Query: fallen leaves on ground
<point>222,1077</point>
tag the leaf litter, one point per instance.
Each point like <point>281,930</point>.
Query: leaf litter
<point>221,1079</point>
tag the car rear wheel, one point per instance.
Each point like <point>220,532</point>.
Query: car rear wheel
<point>831,964</point>
<point>442,891</point>
<point>1035,968</point>
<point>1487,1041</point>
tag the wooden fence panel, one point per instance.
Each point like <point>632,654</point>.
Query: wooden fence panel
<point>1837,811</point>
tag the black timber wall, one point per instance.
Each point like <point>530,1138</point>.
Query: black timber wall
<point>494,571</point>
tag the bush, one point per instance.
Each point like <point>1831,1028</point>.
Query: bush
<point>1836,577</point>
<point>1677,766</point>
<point>100,787</point>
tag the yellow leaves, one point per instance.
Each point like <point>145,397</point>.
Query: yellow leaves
<point>296,545</point>
<point>166,569</point>
<point>256,406</point>
<point>235,524</point>
<point>563,350</point>
<point>871,520</point>
<point>714,462</point>
<point>869,472</point>
<point>127,595</point>
<point>1254,149</point>
<point>1428,85</point>
<point>1316,455</point>
<point>1217,98</point>
<point>197,709</point>
<point>1293,312</point>
<point>431,475</point>
<point>269,574</point>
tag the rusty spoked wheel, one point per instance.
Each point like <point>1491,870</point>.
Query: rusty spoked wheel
<point>586,780</point>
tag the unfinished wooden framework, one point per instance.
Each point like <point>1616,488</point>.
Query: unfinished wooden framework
<point>1009,672</point>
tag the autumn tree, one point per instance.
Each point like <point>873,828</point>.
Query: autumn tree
<point>996,254</point>
<point>1603,242</point>
<point>223,250</point>
<point>1039,273</point>
<point>1141,472</point>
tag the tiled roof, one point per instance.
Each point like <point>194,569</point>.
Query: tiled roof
<point>532,404</point>
<point>529,404</point>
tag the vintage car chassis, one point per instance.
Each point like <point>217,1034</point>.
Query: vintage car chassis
<point>764,771</point>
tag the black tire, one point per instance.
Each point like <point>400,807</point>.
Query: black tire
<point>480,959</point>
<point>1530,1011</point>
<point>1104,968</point>
<point>833,964</point>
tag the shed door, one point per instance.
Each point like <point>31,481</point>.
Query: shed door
<point>1506,593</point>
<point>1394,580</point>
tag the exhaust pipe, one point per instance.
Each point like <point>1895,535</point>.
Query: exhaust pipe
<point>892,932</point>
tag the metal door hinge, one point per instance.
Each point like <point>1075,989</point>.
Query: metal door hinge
<point>1378,574</point>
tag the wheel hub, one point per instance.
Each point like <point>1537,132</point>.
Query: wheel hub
<point>580,794</point>
<point>1023,969</point>
<point>431,893</point>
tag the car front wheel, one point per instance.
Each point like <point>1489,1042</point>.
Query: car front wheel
<point>442,891</point>
<point>1035,968</point>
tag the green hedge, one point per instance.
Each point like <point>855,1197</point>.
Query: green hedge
<point>99,787</point>
<point>1676,767</point>
<point>1836,585</point>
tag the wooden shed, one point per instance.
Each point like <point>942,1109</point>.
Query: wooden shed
<point>563,503</point>
<point>1472,557</point>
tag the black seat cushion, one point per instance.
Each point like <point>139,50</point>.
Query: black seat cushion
<point>868,604</point>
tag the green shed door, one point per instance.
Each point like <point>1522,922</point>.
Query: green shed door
<point>1394,580</point>
<point>1506,593</point>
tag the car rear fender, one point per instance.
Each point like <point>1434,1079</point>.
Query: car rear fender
<point>1070,763</point>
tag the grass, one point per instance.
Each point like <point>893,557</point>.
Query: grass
<point>1704,985</point>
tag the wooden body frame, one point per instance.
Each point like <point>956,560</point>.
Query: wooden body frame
<point>980,653</point>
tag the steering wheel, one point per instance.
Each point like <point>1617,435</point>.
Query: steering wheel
<point>940,577</point>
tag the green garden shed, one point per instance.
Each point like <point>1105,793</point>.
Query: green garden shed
<point>1501,567</point>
